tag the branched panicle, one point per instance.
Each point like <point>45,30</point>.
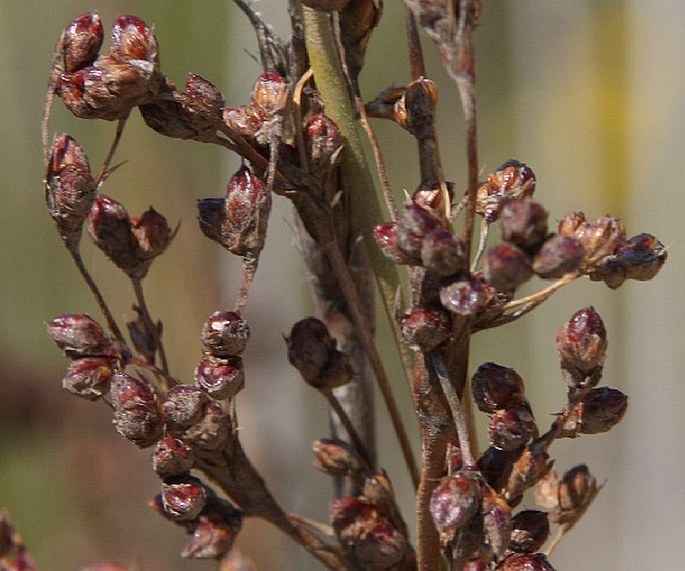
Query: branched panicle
<point>298,139</point>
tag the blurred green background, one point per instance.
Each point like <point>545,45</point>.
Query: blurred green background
<point>590,94</point>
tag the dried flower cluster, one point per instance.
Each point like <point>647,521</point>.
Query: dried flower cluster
<point>298,139</point>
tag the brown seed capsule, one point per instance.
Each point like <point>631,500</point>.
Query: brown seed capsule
<point>136,414</point>
<point>382,548</point>
<point>211,431</point>
<point>183,497</point>
<point>220,378</point>
<point>524,224</point>
<point>309,348</point>
<point>323,141</point>
<point>558,256</point>
<point>525,562</point>
<point>385,235</point>
<point>203,101</point>
<point>496,387</point>
<point>225,334</point>
<point>413,225</point>
<point>511,428</point>
<point>424,328</point>
<point>79,335</point>
<point>79,44</point>
<point>512,180</point>
<point>183,406</point>
<point>88,377</point>
<point>577,490</point>
<point>495,466</point>
<point>506,267</point>
<point>172,457</point>
<point>599,411</point>
<point>351,518</point>
<point>600,238</point>
<point>454,501</point>
<point>335,457</point>
<point>133,39</point>
<point>152,233</point>
<point>582,344</point>
<point>530,529</point>
<point>337,372</point>
<point>466,296</point>
<point>443,253</point>
<point>531,465</point>
<point>214,533</point>
<point>269,93</point>
<point>69,188</point>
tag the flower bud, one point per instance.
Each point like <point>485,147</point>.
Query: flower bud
<point>323,141</point>
<point>69,188</point>
<point>524,224</point>
<point>88,377</point>
<point>413,225</point>
<point>152,233</point>
<point>269,93</point>
<point>309,348</point>
<point>382,548</point>
<point>558,256</point>
<point>335,457</point>
<point>582,343</point>
<point>424,328</point>
<point>385,235</point>
<point>225,334</point>
<point>136,415</point>
<point>506,267</point>
<point>211,431</point>
<point>351,518</point>
<point>183,497</point>
<point>525,562</point>
<point>220,378</point>
<point>79,335</point>
<point>454,501</point>
<point>512,180</point>
<point>182,406</point>
<point>443,253</point>
<point>599,411</point>
<point>511,428</point>
<point>496,387</point>
<point>530,529</point>
<point>79,44</point>
<point>133,39</point>
<point>172,457</point>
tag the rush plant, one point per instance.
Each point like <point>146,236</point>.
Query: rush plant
<point>300,136</point>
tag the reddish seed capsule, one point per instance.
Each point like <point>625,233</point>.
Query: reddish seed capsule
<point>425,329</point>
<point>323,141</point>
<point>182,407</point>
<point>172,457</point>
<point>512,180</point>
<point>524,224</point>
<point>213,536</point>
<point>69,188</point>
<point>351,518</point>
<point>152,233</point>
<point>582,342</point>
<point>558,256</point>
<point>225,334</point>
<point>455,500</point>
<point>600,238</point>
<point>385,235</point>
<point>133,39</point>
<point>270,92</point>
<point>413,225</point>
<point>211,431</point>
<point>136,415</point>
<point>530,529</point>
<point>640,258</point>
<point>382,548</point>
<point>599,411</point>
<point>511,428</point>
<point>220,378</point>
<point>183,497</point>
<point>506,267</point>
<point>335,457</point>
<point>88,377</point>
<point>79,335</point>
<point>496,387</point>
<point>577,490</point>
<point>466,296</point>
<point>525,562</point>
<point>79,43</point>
<point>443,253</point>
<point>495,466</point>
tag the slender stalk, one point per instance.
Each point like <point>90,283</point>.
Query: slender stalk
<point>151,327</point>
<point>357,442</point>
<point>112,150</point>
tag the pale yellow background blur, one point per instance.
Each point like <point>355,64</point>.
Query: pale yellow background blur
<point>590,94</point>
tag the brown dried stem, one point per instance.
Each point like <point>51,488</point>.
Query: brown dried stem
<point>154,330</point>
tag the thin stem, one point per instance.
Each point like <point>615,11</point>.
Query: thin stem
<point>47,108</point>
<point>248,271</point>
<point>416,62</point>
<point>334,403</point>
<point>152,328</point>
<point>482,241</point>
<point>456,410</point>
<point>111,323</point>
<point>558,536</point>
<point>112,150</point>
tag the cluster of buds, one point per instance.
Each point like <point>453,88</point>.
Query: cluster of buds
<point>107,86</point>
<point>582,343</point>
<point>369,528</point>
<point>238,222</point>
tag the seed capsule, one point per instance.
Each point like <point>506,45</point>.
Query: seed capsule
<point>530,529</point>
<point>79,44</point>
<point>183,497</point>
<point>220,378</point>
<point>496,387</point>
<point>172,457</point>
<point>506,267</point>
<point>225,334</point>
<point>558,256</point>
<point>133,39</point>
<point>424,328</point>
<point>455,500</point>
<point>524,224</point>
<point>88,377</point>
<point>79,335</point>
